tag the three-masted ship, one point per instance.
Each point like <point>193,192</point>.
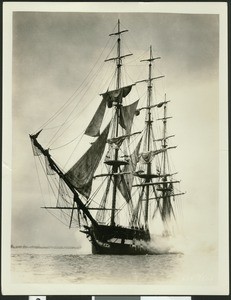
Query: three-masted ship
<point>136,184</point>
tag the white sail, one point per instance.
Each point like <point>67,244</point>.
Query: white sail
<point>81,174</point>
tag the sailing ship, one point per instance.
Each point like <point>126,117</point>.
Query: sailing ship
<point>135,183</point>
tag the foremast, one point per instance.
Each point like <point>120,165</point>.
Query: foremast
<point>118,85</point>
<point>116,162</point>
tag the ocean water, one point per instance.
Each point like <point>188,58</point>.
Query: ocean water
<point>49,265</point>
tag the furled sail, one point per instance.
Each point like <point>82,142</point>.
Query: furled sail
<point>36,150</point>
<point>117,141</point>
<point>81,174</point>
<point>127,115</point>
<point>49,170</point>
<point>115,96</point>
<point>147,157</point>
<point>93,128</point>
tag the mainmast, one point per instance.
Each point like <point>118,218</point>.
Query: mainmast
<point>149,125</point>
<point>148,177</point>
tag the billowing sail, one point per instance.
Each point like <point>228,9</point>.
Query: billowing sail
<point>81,174</point>
<point>93,128</point>
<point>125,181</point>
<point>127,115</point>
<point>146,157</point>
<point>167,209</point>
<point>116,96</point>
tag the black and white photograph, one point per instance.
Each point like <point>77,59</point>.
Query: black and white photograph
<point>115,149</point>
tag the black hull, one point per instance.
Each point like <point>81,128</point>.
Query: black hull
<point>115,249</point>
<point>116,240</point>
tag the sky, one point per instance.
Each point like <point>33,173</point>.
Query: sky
<point>54,52</point>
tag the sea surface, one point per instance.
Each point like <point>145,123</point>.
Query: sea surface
<point>70,265</point>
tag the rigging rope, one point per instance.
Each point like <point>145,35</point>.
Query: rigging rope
<point>67,142</point>
<point>78,103</point>
<point>40,185</point>
<point>71,98</point>
<point>83,108</point>
<point>72,153</point>
<point>51,187</point>
<point>90,200</point>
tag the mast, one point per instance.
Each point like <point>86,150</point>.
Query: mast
<point>115,166</point>
<point>164,153</point>
<point>147,147</point>
<point>149,125</point>
<point>164,138</point>
<point>119,60</point>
